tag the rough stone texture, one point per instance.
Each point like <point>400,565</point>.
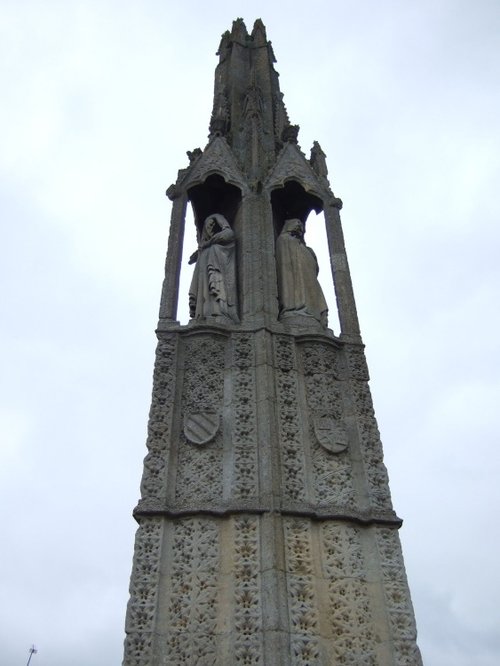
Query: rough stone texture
<point>266,529</point>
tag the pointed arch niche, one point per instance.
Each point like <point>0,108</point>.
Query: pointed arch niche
<point>294,201</point>
<point>213,195</point>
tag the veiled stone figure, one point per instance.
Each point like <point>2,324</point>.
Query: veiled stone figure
<point>213,287</point>
<point>299,290</point>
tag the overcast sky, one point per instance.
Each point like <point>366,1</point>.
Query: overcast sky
<point>100,101</point>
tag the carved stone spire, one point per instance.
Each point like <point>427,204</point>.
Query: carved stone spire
<point>246,72</point>
<point>267,534</point>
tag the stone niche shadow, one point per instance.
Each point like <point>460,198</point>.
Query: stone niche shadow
<point>214,195</point>
<point>292,201</point>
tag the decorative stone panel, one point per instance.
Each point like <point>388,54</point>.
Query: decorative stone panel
<point>332,472</point>
<point>289,423</point>
<point>200,468</point>
<point>356,363</point>
<point>244,421</point>
<point>371,447</point>
<point>302,601</point>
<point>247,614</point>
<point>352,625</point>
<point>192,603</point>
<point>344,606</point>
<point>397,599</point>
<point>160,420</point>
<point>141,610</point>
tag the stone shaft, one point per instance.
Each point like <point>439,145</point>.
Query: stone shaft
<point>266,529</point>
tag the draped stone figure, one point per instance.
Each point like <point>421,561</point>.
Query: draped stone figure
<point>299,290</point>
<point>213,287</point>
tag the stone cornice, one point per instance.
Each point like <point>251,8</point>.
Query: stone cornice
<point>163,507</point>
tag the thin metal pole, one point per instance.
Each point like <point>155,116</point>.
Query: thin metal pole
<point>33,651</point>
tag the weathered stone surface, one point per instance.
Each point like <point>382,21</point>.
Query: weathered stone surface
<point>213,293</point>
<point>266,532</point>
<point>299,292</point>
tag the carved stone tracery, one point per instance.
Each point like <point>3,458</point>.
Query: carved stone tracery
<point>333,483</point>
<point>245,481</point>
<point>248,647</point>
<point>199,469</point>
<point>292,452</point>
<point>160,420</point>
<point>397,598</point>
<point>371,446</point>
<point>144,583</point>
<point>303,605</point>
<point>353,638</point>
<point>192,607</point>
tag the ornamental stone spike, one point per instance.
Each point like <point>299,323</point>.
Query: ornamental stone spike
<point>266,534</point>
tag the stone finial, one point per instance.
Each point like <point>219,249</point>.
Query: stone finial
<point>173,192</point>
<point>318,160</point>
<point>224,46</point>
<point>239,31</point>
<point>259,33</point>
<point>194,154</point>
<point>290,134</point>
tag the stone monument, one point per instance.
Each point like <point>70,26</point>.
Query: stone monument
<point>266,531</point>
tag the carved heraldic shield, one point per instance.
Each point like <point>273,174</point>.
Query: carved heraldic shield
<point>201,427</point>
<point>330,434</point>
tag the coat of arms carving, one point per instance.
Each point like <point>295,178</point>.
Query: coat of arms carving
<point>201,427</point>
<point>330,433</point>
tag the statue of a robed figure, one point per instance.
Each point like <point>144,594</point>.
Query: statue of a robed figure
<point>213,287</point>
<point>300,293</point>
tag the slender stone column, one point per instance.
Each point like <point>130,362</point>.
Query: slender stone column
<point>170,289</point>
<point>259,298</point>
<point>346,305</point>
